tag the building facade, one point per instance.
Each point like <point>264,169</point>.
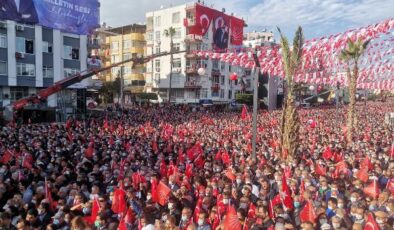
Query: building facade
<point>258,38</point>
<point>122,44</point>
<point>33,57</point>
<point>187,85</point>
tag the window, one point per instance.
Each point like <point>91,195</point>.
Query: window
<point>176,17</point>
<point>158,21</point>
<point>157,33</point>
<point>114,45</point>
<point>18,93</point>
<point>215,79</point>
<point>157,77</point>
<point>115,70</point>
<point>221,93</point>
<point>157,65</point>
<point>150,36</point>
<point>204,93</point>
<point>23,69</point>
<point>177,46</point>
<point>47,71</point>
<point>126,44</point>
<point>24,45</point>
<point>178,33</point>
<point>115,59</point>
<point>126,56</point>
<point>3,68</point>
<point>68,72</point>
<point>157,51</point>
<point>177,63</point>
<point>215,64</point>
<point>222,80</point>
<point>222,66</point>
<point>46,47</point>
<point>127,70</point>
<point>3,41</point>
<point>230,93</point>
<point>67,52</point>
<point>75,54</point>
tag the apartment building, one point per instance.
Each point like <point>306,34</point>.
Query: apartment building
<point>188,85</point>
<point>33,57</point>
<point>124,43</point>
<point>258,38</point>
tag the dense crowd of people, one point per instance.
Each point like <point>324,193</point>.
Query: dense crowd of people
<point>174,167</point>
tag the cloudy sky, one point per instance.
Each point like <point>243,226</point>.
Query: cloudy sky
<point>318,17</point>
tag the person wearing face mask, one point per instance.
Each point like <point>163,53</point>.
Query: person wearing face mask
<point>202,222</point>
<point>186,219</point>
<point>331,207</point>
<point>382,218</point>
<point>58,221</point>
<point>173,210</point>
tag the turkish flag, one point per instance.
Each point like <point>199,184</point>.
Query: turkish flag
<point>226,158</point>
<point>189,170</point>
<point>390,186</point>
<point>89,151</point>
<point>320,170</point>
<point>68,124</point>
<point>48,195</point>
<point>119,201</point>
<point>155,197</point>
<point>130,216</point>
<point>362,174</point>
<point>252,211</point>
<point>122,224</point>
<point>6,157</point>
<point>93,215</point>
<point>371,223</point>
<point>231,221</point>
<point>327,154</point>
<point>308,213</point>
<point>163,192</point>
<point>154,146</point>
<point>244,113</point>
<point>197,210</point>
<point>230,175</point>
<point>372,190</point>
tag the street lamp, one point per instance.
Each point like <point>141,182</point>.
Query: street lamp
<point>201,71</point>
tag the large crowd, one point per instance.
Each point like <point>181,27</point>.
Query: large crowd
<point>175,167</point>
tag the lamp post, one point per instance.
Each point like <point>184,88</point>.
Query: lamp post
<point>255,101</point>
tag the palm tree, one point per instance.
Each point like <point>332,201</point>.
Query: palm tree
<point>170,32</point>
<point>351,55</point>
<point>292,59</point>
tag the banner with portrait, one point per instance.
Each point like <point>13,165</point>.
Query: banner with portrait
<point>72,16</point>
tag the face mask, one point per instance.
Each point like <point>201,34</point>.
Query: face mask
<point>358,217</point>
<point>56,221</point>
<point>239,181</point>
<point>372,208</point>
<point>170,205</point>
<point>340,205</point>
<point>296,204</point>
<point>336,225</point>
<point>243,205</point>
<point>200,222</point>
<point>380,221</point>
<point>85,210</point>
<point>353,199</point>
<point>164,218</point>
<point>184,218</point>
<point>322,221</point>
<point>148,197</point>
<point>225,201</point>
<point>307,184</point>
<point>97,224</point>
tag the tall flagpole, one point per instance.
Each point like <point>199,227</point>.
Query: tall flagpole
<point>255,101</point>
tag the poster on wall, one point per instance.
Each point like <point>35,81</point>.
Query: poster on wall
<point>226,29</point>
<point>72,16</point>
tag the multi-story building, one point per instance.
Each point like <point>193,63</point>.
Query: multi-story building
<point>124,43</point>
<point>187,86</point>
<point>258,38</point>
<point>33,57</point>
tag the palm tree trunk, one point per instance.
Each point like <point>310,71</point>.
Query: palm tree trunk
<point>352,102</point>
<point>171,63</point>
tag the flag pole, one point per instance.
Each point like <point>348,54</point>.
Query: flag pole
<point>255,101</point>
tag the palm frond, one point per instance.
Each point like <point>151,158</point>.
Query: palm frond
<point>298,42</point>
<point>285,53</point>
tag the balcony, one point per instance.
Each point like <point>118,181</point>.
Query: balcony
<point>94,43</point>
<point>191,56</point>
<point>191,70</point>
<point>192,85</point>
<point>193,38</point>
<point>137,37</point>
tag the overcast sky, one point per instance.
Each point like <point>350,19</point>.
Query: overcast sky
<point>318,17</point>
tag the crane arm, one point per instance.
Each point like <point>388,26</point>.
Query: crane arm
<point>66,82</point>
